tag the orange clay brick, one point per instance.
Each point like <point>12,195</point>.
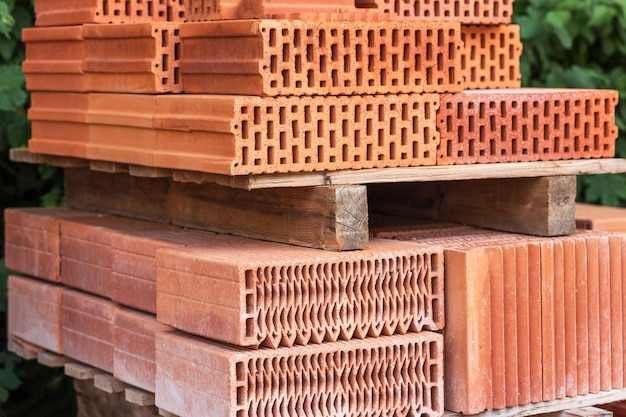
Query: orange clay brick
<point>134,271</point>
<point>120,128</point>
<point>54,58</point>
<point>87,329</point>
<point>485,12</point>
<point>594,217</point>
<point>34,312</point>
<point>59,123</point>
<point>385,376</point>
<point>133,58</point>
<point>253,135</point>
<point>73,12</point>
<point>558,296</point>
<point>485,126</point>
<point>86,251</point>
<point>251,293</point>
<point>490,58</point>
<point>298,57</point>
<point>134,352</point>
<point>32,240</point>
<point>199,10</point>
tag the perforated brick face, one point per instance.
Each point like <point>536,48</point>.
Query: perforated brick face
<point>297,57</point>
<point>491,57</point>
<point>134,58</point>
<point>526,125</point>
<point>68,12</point>
<point>396,375</point>
<point>274,294</point>
<point>293,134</point>
<point>485,12</point>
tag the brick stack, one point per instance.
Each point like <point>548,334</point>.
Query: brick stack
<point>275,327</point>
<point>222,325</point>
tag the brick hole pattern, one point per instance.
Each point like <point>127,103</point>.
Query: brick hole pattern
<point>491,56</point>
<point>200,10</point>
<point>362,59</point>
<point>340,301</point>
<point>526,127</point>
<point>390,376</point>
<point>167,68</point>
<point>417,376</point>
<point>309,133</point>
<point>465,11</point>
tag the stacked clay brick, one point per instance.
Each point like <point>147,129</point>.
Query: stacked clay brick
<point>242,327</point>
<point>284,87</point>
<point>219,325</point>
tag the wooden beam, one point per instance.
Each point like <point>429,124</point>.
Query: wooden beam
<point>536,206</point>
<point>80,371</point>
<point>107,383</point>
<point>52,360</point>
<point>327,217</point>
<point>138,396</point>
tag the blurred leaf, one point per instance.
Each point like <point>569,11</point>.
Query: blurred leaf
<point>12,94</point>
<point>6,20</point>
<point>605,189</point>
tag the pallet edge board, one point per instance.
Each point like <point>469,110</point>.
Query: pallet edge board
<point>349,177</point>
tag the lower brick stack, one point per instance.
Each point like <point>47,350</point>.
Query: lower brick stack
<point>343,332</point>
<point>240,327</point>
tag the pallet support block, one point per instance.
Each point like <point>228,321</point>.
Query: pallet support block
<point>326,217</point>
<point>536,206</point>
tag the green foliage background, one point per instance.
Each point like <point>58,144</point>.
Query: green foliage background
<point>567,43</point>
<point>27,389</point>
<point>582,44</point>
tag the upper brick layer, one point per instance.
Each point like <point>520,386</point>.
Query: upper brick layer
<point>483,12</point>
<point>481,126</point>
<point>285,57</point>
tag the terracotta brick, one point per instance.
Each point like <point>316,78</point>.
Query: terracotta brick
<point>616,292</point>
<point>252,293</point>
<point>32,240</point>
<point>571,343</point>
<point>59,123</point>
<point>86,251</point>
<point>399,374</point>
<point>54,58</point>
<point>295,57</point>
<point>121,128</point>
<point>87,329</point>
<point>594,217</point>
<point>486,12</point>
<point>200,10</point>
<point>483,126</point>
<point>133,58</point>
<point>134,354</point>
<point>134,271</point>
<point>72,12</point>
<point>253,135</point>
<point>490,58</point>
<point>560,295</point>
<point>34,312</point>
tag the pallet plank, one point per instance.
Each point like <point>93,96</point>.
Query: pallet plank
<point>326,217</point>
<point>537,206</point>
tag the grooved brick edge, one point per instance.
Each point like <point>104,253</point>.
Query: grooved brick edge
<point>252,293</point>
<point>393,375</point>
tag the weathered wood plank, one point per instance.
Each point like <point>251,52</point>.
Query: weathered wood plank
<point>139,396</point>
<point>107,383</point>
<point>327,217</point>
<point>52,360</point>
<point>23,349</point>
<point>536,206</point>
<point>80,371</point>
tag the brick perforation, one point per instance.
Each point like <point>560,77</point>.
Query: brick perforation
<point>362,381</point>
<point>167,62</point>
<point>125,11</point>
<point>491,56</point>
<point>309,134</point>
<point>467,11</point>
<point>512,128</point>
<point>302,57</point>
<point>314,303</point>
<point>198,10</point>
